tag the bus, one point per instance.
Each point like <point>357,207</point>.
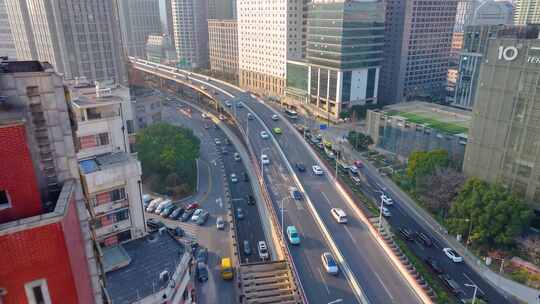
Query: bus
<point>291,113</point>
<point>226,269</point>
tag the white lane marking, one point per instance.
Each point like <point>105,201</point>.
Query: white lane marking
<point>467,277</point>
<point>336,301</point>
<point>326,197</point>
<point>351,235</point>
<point>324,281</point>
<point>384,286</point>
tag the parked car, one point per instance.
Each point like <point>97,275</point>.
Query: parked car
<point>220,223</point>
<point>292,235</point>
<point>224,151</point>
<point>153,204</point>
<point>202,255</point>
<point>247,248</point>
<point>167,211</point>
<point>187,215</point>
<point>329,263</point>
<point>146,199</point>
<point>295,193</point>
<point>221,117</point>
<point>358,164</point>
<point>176,214</point>
<point>406,233</point>
<point>300,167</point>
<point>264,159</point>
<point>239,105</point>
<point>385,212</point>
<point>177,232</point>
<point>387,200</point>
<point>202,272</point>
<point>278,131</point>
<point>196,215</point>
<point>250,116</point>
<point>275,117</point>
<point>192,206</point>
<point>204,116</point>
<point>228,104</point>
<point>264,134</point>
<point>236,156</point>
<point>356,180</point>
<point>234,179</point>
<point>339,215</point>
<point>434,265</point>
<point>250,199</point>
<point>203,217</point>
<point>217,141</point>
<point>317,170</point>
<point>452,285</point>
<point>164,204</point>
<point>453,255</point>
<point>263,250</point>
<point>424,239</point>
<point>343,166</point>
<point>239,213</point>
<point>353,170</point>
<point>154,224</point>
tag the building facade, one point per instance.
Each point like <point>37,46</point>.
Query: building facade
<point>160,49</point>
<point>147,106</point>
<point>166,17</point>
<point>190,32</point>
<point>7,47</point>
<point>526,12</point>
<point>503,145</point>
<point>79,38</point>
<point>457,46</point>
<point>269,33</point>
<point>476,41</point>
<point>418,38</point>
<point>464,12</point>
<point>222,9</point>
<point>42,210</point>
<point>223,47</point>
<point>111,176</point>
<point>138,20</point>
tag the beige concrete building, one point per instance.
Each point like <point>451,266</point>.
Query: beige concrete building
<point>504,140</point>
<point>269,33</point>
<point>223,47</point>
<point>526,12</point>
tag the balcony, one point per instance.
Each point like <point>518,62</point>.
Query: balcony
<point>107,207</point>
<point>114,227</point>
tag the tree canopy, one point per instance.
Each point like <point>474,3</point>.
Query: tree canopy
<point>359,141</point>
<point>422,164</point>
<point>495,215</point>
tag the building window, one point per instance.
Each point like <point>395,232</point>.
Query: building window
<point>5,202</point>
<point>32,91</point>
<point>103,139</point>
<point>37,292</point>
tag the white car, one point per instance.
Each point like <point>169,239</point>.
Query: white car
<point>329,263</point>
<point>453,255</point>
<point>339,215</point>
<point>317,170</point>
<point>153,204</point>
<point>387,200</point>
<point>236,156</point>
<point>275,117</point>
<point>234,179</point>
<point>264,134</point>
<point>217,141</point>
<point>228,104</point>
<point>263,250</point>
<point>195,216</point>
<point>386,212</point>
<point>264,159</point>
<point>204,115</point>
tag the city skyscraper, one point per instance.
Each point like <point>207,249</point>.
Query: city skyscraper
<point>527,12</point>
<point>7,48</point>
<point>269,32</point>
<point>223,42</point>
<point>138,20</point>
<point>165,15</point>
<point>417,48</point>
<point>221,9</point>
<point>79,38</point>
<point>191,32</point>
<point>503,144</point>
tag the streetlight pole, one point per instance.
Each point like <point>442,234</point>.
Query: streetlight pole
<point>469,234</point>
<point>380,215</point>
<point>474,293</point>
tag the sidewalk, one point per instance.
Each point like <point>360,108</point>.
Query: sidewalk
<point>519,291</point>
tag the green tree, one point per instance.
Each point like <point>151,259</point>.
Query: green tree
<point>169,152</point>
<point>496,216</point>
<point>359,141</point>
<point>423,164</point>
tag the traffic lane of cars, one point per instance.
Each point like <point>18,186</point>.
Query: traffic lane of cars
<point>460,272</point>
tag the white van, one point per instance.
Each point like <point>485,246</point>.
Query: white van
<point>153,204</point>
<point>163,205</point>
<point>339,215</point>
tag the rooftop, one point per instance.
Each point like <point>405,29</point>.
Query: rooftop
<point>23,66</point>
<point>149,256</point>
<point>442,118</point>
<point>103,161</point>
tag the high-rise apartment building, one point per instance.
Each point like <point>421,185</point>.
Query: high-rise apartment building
<point>7,48</point>
<point>160,49</point>
<point>527,12</point>
<point>79,38</point>
<point>417,49</point>
<point>166,17</point>
<point>223,47</point>
<point>269,33</point>
<point>464,12</point>
<point>191,32</point>
<point>45,241</point>
<point>504,140</point>
<point>138,20</point>
<point>221,9</point>
<point>111,176</point>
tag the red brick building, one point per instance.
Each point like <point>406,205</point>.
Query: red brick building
<point>45,245</point>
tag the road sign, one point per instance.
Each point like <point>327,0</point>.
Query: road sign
<point>323,127</point>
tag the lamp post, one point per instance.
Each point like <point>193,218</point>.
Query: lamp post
<point>474,293</point>
<point>469,220</point>
<point>380,214</point>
